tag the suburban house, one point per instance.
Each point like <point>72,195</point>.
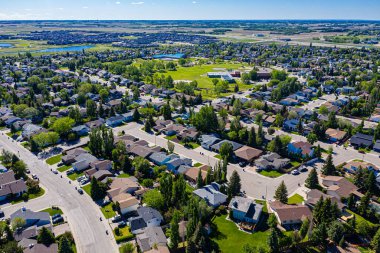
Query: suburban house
<point>245,210</point>
<point>122,186</point>
<point>29,130</point>
<point>147,217</point>
<point>288,215</point>
<point>81,130</point>
<point>339,187</point>
<point>71,155</point>
<point>248,154</point>
<point>314,195</point>
<point>271,161</point>
<point>95,123</point>
<point>83,161</point>
<point>31,218</point>
<point>115,121</point>
<point>10,186</point>
<point>174,164</point>
<point>235,146</point>
<point>360,140</point>
<point>128,205</point>
<point>41,248</point>
<point>190,134</point>
<point>335,135</point>
<point>161,158</point>
<point>128,117</point>
<point>208,140</point>
<point>301,148</point>
<point>191,174</point>
<point>162,124</point>
<point>151,238</point>
<point>211,194</point>
<point>353,166</point>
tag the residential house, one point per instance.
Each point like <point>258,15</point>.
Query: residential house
<point>128,117</point>
<point>211,194</point>
<point>151,238</point>
<point>335,135</point>
<point>160,125</point>
<point>353,166</point>
<point>83,161</point>
<point>208,140</point>
<point>161,158</point>
<point>29,130</point>
<point>128,205</point>
<point>360,140</point>
<point>190,134</point>
<point>271,161</point>
<point>147,217</point>
<point>122,186</point>
<point>72,154</point>
<point>245,210</point>
<point>31,218</point>
<point>235,146</point>
<point>10,186</point>
<point>314,195</point>
<point>248,154</point>
<point>191,174</point>
<point>340,187</point>
<point>289,215</point>
<point>173,164</point>
<point>41,248</point>
<point>115,121</point>
<point>301,148</point>
<point>81,130</point>
<point>95,123</point>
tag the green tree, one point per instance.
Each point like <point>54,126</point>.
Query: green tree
<point>273,241</point>
<point>199,179</point>
<point>305,227</point>
<point>154,199</point>
<point>312,180</point>
<point>206,120</point>
<point>166,111</point>
<point>328,168</point>
<point>319,235</point>
<point>142,167</point>
<point>375,243</point>
<point>11,247</point>
<point>91,108</point>
<point>98,190</point>
<point>312,138</point>
<point>281,193</point>
<point>127,248</point>
<point>174,230</point>
<point>336,231</point>
<point>18,223</point>
<point>64,245</point>
<point>136,115</point>
<point>234,185</point>
<point>252,137</point>
<point>63,126</point>
<point>45,237</point>
<point>226,150</point>
<point>171,146</point>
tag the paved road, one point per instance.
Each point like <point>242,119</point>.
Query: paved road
<point>254,184</point>
<point>81,212</point>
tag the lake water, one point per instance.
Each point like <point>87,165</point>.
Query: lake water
<point>170,56</point>
<point>65,49</point>
<point>5,45</point>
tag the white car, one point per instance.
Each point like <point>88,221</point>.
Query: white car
<point>34,176</point>
<point>295,172</point>
<point>55,171</point>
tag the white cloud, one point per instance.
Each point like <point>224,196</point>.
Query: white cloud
<point>117,3</point>
<point>85,7</point>
<point>137,3</point>
<point>194,2</point>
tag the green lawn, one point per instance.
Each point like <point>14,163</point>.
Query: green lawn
<point>231,239</point>
<point>75,175</point>
<point>64,168</point>
<point>360,218</point>
<point>124,175</point>
<point>52,211</point>
<point>107,211</point>
<point>295,199</point>
<point>170,137</point>
<point>197,165</point>
<point>192,145</point>
<point>295,163</point>
<point>218,156</point>
<point>87,189</point>
<point>125,235</point>
<point>31,196</point>
<point>54,159</point>
<point>271,173</point>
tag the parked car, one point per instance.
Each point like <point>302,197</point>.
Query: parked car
<point>295,172</point>
<point>55,171</point>
<point>81,178</point>
<point>60,164</point>
<point>27,171</point>
<point>80,191</point>
<point>121,224</point>
<point>303,169</point>
<point>58,220</point>
<point>116,218</point>
<point>34,176</point>
<point>70,171</point>
<point>55,216</point>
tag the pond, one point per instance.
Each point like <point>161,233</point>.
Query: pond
<point>5,45</point>
<point>169,56</point>
<point>66,49</point>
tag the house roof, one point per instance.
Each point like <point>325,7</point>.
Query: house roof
<point>211,194</point>
<point>125,203</point>
<point>192,173</point>
<point>142,151</point>
<point>248,153</point>
<point>27,214</point>
<point>148,213</point>
<point>121,185</point>
<point>150,237</point>
<point>314,195</point>
<point>361,139</point>
<point>251,209</point>
<point>335,133</point>
<point>290,212</point>
<point>341,186</point>
<point>235,145</point>
<point>40,248</point>
<point>158,157</point>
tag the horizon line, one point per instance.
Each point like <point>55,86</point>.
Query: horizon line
<point>60,20</point>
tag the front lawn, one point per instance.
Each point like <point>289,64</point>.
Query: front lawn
<point>218,156</point>
<point>64,168</point>
<point>52,211</point>
<point>170,137</point>
<point>123,235</point>
<point>191,144</point>
<point>124,175</point>
<point>197,165</point>
<point>271,173</point>
<point>87,189</point>
<point>54,159</point>
<point>230,239</point>
<point>295,163</point>
<point>75,175</point>
<point>295,199</point>
<point>30,197</point>
<point>107,211</point>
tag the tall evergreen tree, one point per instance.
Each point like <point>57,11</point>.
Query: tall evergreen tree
<point>273,241</point>
<point>174,230</point>
<point>251,137</point>
<point>375,243</point>
<point>45,237</point>
<point>281,193</point>
<point>234,184</point>
<point>312,180</point>
<point>136,115</point>
<point>328,168</point>
<point>64,245</point>
<point>199,179</point>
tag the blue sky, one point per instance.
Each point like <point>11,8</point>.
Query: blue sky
<point>189,9</point>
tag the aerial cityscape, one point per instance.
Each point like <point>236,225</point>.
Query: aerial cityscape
<point>189,126</point>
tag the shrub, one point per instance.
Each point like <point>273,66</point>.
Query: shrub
<point>25,196</point>
<point>117,231</point>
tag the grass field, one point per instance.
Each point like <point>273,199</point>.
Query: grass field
<point>107,211</point>
<point>231,239</point>
<point>124,175</point>
<point>87,189</point>
<point>31,196</point>
<point>75,175</point>
<point>124,234</point>
<point>54,159</point>
<point>271,174</point>
<point>295,199</point>
<point>52,211</point>
<point>64,168</point>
